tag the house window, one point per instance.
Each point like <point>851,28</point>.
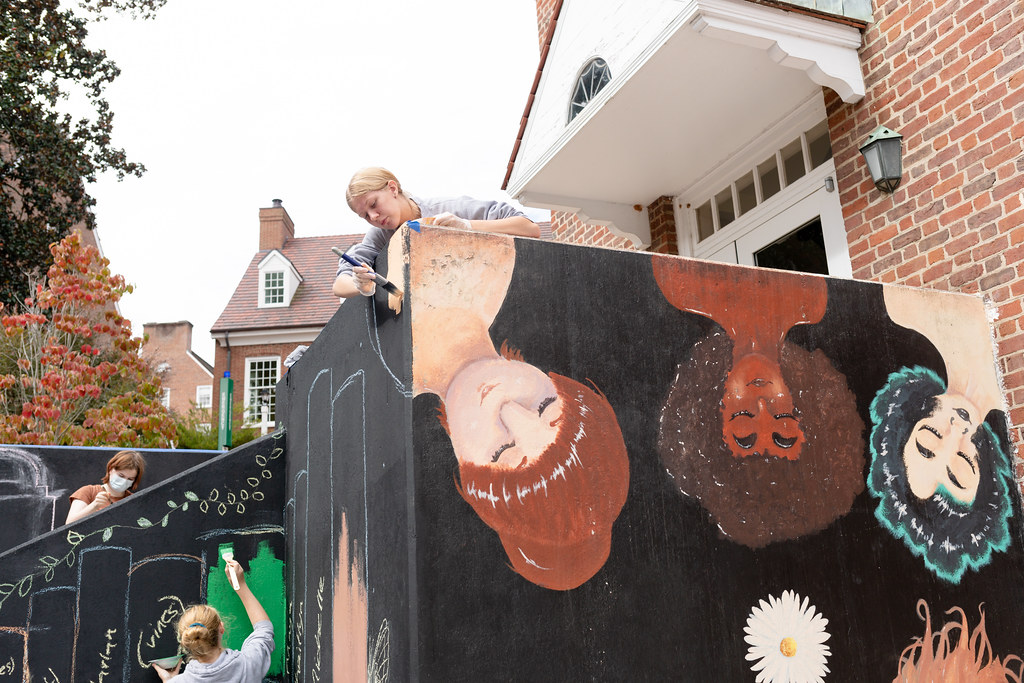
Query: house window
<point>260,379</point>
<point>273,288</point>
<point>594,76</point>
<point>204,396</point>
<point>165,399</point>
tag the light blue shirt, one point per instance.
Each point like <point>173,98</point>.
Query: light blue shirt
<point>471,209</point>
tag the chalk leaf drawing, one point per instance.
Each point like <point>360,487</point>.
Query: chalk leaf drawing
<point>787,640</point>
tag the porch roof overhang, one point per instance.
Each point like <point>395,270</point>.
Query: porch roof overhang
<point>718,77</point>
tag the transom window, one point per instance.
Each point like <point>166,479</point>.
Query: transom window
<point>273,288</point>
<point>595,75</point>
<point>780,170</point>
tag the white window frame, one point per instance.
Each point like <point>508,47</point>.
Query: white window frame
<point>265,291</point>
<point>267,424</point>
<point>165,398</point>
<point>207,391</point>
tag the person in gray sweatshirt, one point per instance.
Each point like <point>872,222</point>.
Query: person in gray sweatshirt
<point>200,629</point>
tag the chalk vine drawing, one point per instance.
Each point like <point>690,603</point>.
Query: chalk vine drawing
<point>221,500</point>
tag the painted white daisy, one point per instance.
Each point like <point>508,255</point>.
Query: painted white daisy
<point>787,641</point>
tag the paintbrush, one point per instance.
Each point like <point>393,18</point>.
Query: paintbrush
<point>228,556</point>
<point>380,279</point>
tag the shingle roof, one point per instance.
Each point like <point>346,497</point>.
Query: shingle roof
<point>313,303</point>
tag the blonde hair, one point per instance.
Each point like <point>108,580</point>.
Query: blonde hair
<point>199,630</point>
<point>369,179</point>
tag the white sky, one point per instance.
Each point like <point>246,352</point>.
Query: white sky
<point>233,103</point>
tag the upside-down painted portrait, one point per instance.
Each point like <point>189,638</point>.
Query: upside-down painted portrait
<point>941,475</point>
<point>764,433</point>
<point>541,458</point>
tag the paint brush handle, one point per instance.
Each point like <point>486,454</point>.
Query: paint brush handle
<point>234,579</point>
<point>350,259</point>
<point>380,279</point>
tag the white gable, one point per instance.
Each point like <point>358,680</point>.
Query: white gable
<point>275,262</point>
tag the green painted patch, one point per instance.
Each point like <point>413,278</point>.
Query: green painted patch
<point>265,576</point>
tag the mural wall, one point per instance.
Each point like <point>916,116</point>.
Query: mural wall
<point>97,599</point>
<point>560,463</point>
<point>564,463</point>
<point>35,482</point>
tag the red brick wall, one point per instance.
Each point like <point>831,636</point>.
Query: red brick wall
<point>546,10</point>
<point>170,343</point>
<point>566,227</point>
<point>949,77</point>
<point>662,219</point>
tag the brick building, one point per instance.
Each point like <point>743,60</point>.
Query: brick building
<point>282,301</point>
<point>187,378</point>
<point>730,130</point>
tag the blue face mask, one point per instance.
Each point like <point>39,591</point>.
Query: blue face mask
<point>119,484</point>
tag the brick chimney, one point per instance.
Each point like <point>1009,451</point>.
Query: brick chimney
<point>276,227</point>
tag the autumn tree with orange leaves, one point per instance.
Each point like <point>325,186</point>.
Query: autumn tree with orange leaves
<point>71,372</point>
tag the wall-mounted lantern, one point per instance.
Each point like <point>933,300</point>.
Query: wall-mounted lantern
<point>883,150</point>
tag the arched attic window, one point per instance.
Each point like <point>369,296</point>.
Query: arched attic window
<point>594,76</point>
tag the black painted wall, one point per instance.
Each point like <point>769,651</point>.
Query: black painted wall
<point>36,482</point>
<point>98,598</point>
<point>424,590</point>
<point>346,406</point>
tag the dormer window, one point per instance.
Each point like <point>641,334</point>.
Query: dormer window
<point>278,281</point>
<point>594,76</point>
<point>273,288</point>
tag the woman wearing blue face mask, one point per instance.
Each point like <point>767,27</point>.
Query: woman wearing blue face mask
<point>124,472</point>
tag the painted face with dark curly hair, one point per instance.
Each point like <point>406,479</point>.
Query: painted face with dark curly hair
<point>940,474</point>
<point>758,416</point>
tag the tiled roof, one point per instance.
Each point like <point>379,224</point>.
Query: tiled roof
<point>313,303</point>
<point>545,48</point>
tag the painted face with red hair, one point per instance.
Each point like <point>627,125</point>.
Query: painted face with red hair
<point>551,500</point>
<point>508,413</point>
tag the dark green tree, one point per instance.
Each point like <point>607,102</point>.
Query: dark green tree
<point>47,156</point>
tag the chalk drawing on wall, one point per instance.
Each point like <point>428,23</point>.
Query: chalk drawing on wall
<point>380,664</point>
<point>26,485</point>
<point>220,500</point>
<point>541,458</point>
<point>315,611</point>
<point>786,638</point>
<point>941,475</point>
<point>955,653</point>
<point>748,408</point>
